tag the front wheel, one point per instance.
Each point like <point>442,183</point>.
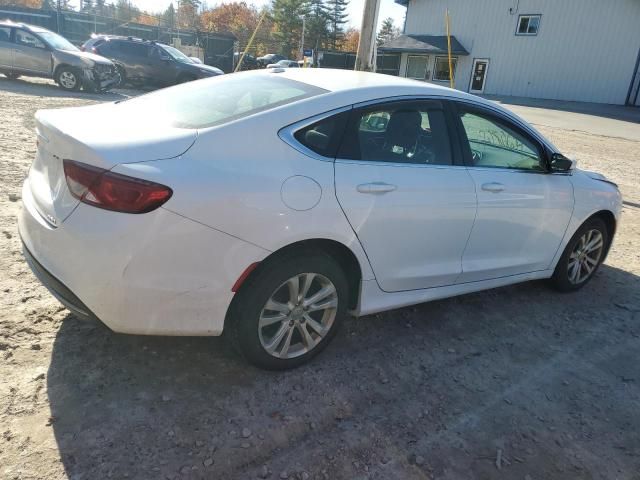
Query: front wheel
<point>287,312</point>
<point>68,79</point>
<point>582,256</point>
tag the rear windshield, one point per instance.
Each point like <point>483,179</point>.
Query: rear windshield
<point>219,100</point>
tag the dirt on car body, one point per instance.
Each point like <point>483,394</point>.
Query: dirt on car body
<point>519,382</point>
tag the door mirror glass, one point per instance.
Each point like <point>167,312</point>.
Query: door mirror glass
<point>560,163</point>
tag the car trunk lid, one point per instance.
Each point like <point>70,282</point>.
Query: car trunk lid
<point>95,136</point>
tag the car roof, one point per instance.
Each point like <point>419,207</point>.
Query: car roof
<point>26,26</point>
<point>376,85</point>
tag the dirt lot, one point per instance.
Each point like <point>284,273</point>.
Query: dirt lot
<point>514,383</point>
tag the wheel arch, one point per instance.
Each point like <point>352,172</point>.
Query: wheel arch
<point>341,253</point>
<point>610,222</point>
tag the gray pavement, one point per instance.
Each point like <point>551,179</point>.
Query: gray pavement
<point>598,119</point>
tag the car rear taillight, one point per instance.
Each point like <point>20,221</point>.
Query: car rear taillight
<point>113,191</point>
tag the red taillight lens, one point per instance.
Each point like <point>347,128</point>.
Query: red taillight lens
<point>113,191</point>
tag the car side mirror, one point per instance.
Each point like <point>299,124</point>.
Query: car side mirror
<point>560,163</point>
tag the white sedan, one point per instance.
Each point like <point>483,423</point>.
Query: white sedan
<point>268,204</point>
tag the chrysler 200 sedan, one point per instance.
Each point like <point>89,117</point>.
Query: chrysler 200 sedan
<point>269,204</point>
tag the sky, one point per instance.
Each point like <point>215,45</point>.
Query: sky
<point>388,8</point>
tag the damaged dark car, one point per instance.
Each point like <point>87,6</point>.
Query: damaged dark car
<point>27,50</point>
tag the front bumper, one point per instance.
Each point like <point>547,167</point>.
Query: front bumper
<point>101,77</point>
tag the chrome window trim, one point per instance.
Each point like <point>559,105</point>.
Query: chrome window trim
<point>287,134</point>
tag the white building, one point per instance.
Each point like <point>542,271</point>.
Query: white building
<point>582,50</point>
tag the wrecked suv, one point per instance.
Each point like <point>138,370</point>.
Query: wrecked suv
<point>36,52</point>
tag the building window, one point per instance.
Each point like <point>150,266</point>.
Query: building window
<point>528,25</point>
<point>417,67</point>
<point>441,69</point>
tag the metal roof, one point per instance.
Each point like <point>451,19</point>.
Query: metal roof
<point>423,44</point>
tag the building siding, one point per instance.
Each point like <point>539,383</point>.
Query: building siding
<point>585,50</point>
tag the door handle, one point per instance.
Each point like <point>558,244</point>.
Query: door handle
<point>376,187</point>
<point>493,187</point>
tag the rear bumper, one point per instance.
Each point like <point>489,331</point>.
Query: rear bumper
<point>56,287</point>
<point>154,274</point>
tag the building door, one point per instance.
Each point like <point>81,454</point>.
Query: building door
<point>478,75</point>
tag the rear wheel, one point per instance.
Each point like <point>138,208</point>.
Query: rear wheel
<point>12,76</point>
<point>69,79</point>
<point>288,311</point>
<point>582,256</point>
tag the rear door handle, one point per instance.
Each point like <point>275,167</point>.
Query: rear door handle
<point>376,187</point>
<point>493,187</point>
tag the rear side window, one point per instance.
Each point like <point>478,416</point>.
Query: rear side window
<point>134,49</point>
<point>399,132</point>
<point>324,137</point>
<point>218,100</point>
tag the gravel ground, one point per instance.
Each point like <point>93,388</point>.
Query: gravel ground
<point>517,383</point>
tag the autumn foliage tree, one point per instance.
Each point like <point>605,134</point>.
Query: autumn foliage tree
<point>350,40</point>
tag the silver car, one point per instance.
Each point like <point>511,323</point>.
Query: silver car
<point>37,52</point>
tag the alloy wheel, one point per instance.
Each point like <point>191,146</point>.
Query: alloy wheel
<point>585,256</point>
<point>68,80</point>
<point>298,315</point>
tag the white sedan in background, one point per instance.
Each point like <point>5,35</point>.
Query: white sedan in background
<point>268,204</point>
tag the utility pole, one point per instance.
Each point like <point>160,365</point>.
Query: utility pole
<point>302,39</point>
<point>365,60</point>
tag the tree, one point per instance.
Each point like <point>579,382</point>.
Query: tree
<point>101,8</point>
<point>86,6</point>
<point>238,18</point>
<point>388,32</point>
<point>337,18</point>
<point>287,19</point>
<point>350,41</point>
<point>169,16</point>
<point>187,15</point>
<point>317,31</point>
<point>125,12</point>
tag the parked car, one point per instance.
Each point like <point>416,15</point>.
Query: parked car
<point>36,52</point>
<point>144,62</point>
<point>284,64</point>
<point>157,216</point>
<point>249,62</point>
<point>268,59</point>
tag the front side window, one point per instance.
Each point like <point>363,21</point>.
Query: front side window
<point>441,69</point>
<point>401,132</point>
<point>417,66</point>
<point>528,24</point>
<point>493,143</point>
<point>28,40</point>
<point>217,100</point>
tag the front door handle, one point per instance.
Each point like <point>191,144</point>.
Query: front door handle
<point>493,187</point>
<point>376,187</point>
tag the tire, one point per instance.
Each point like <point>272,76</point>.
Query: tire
<point>578,264</point>
<point>253,326</point>
<point>12,76</point>
<point>69,79</point>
